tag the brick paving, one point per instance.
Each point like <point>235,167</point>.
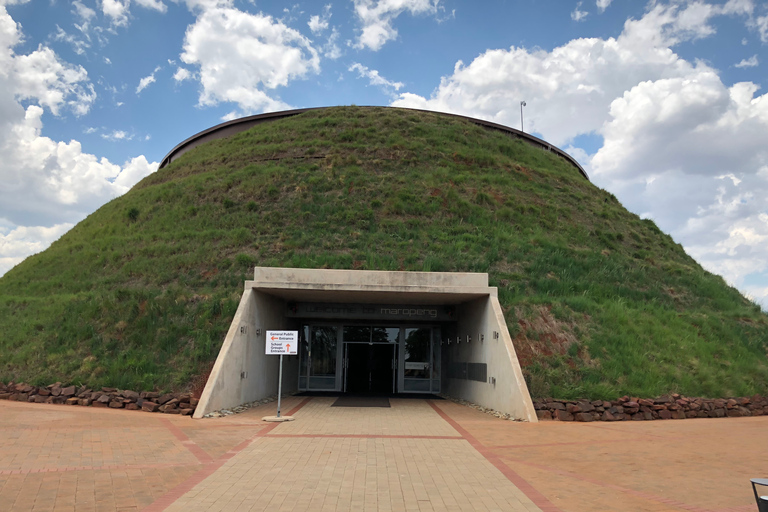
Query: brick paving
<point>417,455</point>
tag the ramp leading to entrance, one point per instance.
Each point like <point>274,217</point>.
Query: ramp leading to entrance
<point>371,332</point>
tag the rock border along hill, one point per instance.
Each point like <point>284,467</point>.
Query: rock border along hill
<point>148,401</point>
<point>675,406</point>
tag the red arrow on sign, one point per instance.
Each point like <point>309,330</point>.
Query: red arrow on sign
<point>273,338</point>
<point>288,347</point>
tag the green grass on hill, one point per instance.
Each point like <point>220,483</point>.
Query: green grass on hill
<point>600,303</point>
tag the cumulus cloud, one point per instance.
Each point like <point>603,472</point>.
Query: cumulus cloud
<point>761,24</point>
<point>374,78</point>
<point>46,186</point>
<point>668,126</point>
<point>144,82</point>
<point>243,57</point>
<point>42,76</point>
<point>331,49</point>
<point>747,63</point>
<point>182,74</point>
<point>578,15</point>
<point>602,5</point>
<point>78,45</point>
<point>156,5</point>
<point>319,22</point>
<point>116,10</point>
<point>18,242</point>
<point>85,13</point>
<point>147,80</point>
<point>568,90</point>
<point>119,11</point>
<point>377,19</point>
<point>116,135</point>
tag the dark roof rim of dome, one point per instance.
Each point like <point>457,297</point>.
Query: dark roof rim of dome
<point>234,126</point>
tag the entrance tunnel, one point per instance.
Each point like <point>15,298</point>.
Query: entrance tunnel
<point>371,333</point>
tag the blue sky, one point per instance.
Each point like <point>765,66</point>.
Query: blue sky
<point>661,101</point>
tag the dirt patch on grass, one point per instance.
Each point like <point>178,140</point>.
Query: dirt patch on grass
<point>541,334</point>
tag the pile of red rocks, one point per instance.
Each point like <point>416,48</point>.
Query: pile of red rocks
<point>150,401</point>
<point>665,407</point>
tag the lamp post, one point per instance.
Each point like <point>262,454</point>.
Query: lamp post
<point>522,104</point>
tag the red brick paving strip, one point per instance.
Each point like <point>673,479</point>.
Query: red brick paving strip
<point>189,444</point>
<point>533,494</point>
<point>209,468</point>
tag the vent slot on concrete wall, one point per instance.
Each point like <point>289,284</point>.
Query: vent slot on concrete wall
<point>477,371</point>
<point>468,371</point>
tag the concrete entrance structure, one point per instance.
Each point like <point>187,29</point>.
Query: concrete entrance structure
<point>471,356</point>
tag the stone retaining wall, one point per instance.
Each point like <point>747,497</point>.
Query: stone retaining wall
<point>665,407</point>
<point>149,401</point>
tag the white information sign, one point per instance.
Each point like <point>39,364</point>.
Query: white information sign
<point>282,343</point>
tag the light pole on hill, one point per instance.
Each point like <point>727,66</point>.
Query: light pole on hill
<point>522,104</point>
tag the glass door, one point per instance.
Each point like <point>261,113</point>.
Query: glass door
<point>370,358</point>
<point>319,358</point>
<point>416,374</point>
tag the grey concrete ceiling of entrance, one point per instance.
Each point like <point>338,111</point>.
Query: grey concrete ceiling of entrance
<point>372,296</point>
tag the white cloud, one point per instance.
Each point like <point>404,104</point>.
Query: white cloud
<point>331,48</point>
<point>144,82</point>
<point>47,180</point>
<point>319,22</point>
<point>761,24</point>
<point>569,90</point>
<point>41,75</point>
<point>116,10</point>
<point>82,11</point>
<point>602,5</point>
<point>119,11</point>
<point>156,5</point>
<point>377,18</point>
<point>317,25</point>
<point>747,63</point>
<point>46,186</point>
<point>116,135</point>
<point>78,45</point>
<point>182,74</point>
<point>242,57</point>
<point>374,78</point>
<point>84,14</point>
<point>18,242</point>
<point>204,5</point>
<point>669,127</point>
<point>578,15</point>
<point>147,80</point>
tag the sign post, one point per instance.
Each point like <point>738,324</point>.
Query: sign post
<point>281,343</point>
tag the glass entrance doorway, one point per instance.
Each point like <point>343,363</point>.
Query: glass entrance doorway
<point>369,359</point>
<point>318,356</point>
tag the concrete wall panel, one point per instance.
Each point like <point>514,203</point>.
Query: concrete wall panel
<point>242,372</point>
<point>504,389</point>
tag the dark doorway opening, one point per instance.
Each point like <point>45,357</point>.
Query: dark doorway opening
<point>370,368</point>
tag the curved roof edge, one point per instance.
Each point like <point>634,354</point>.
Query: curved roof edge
<point>244,123</point>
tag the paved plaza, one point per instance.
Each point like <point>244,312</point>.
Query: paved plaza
<point>417,455</point>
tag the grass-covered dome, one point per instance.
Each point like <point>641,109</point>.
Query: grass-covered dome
<point>600,303</point>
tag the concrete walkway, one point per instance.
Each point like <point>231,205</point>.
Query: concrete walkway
<point>417,455</point>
